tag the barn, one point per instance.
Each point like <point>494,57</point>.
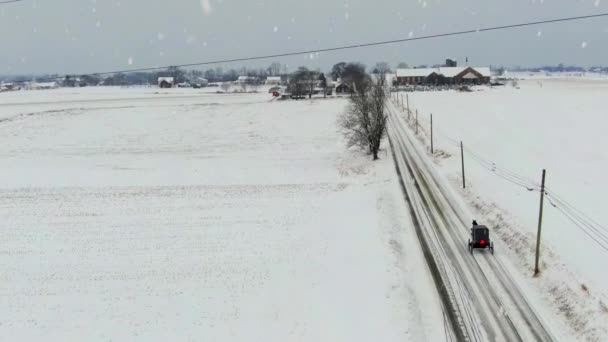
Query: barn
<point>166,82</point>
<point>444,75</point>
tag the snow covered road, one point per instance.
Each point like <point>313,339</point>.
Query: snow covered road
<point>483,301</point>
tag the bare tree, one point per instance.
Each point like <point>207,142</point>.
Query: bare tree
<point>312,78</point>
<point>274,69</point>
<point>382,68</point>
<point>323,84</point>
<point>364,122</point>
<point>300,83</point>
<point>225,86</point>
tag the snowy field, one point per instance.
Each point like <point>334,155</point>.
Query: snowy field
<point>141,215</point>
<point>556,124</point>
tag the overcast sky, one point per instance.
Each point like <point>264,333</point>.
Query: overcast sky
<point>85,36</point>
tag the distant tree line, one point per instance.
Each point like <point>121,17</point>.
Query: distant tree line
<point>180,75</point>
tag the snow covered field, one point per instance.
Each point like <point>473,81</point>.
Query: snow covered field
<point>134,214</point>
<point>557,124</point>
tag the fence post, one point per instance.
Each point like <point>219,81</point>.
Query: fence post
<point>416,121</point>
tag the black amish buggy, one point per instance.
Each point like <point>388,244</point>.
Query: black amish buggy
<point>480,238</point>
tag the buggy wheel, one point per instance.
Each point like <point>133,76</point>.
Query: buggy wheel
<point>492,247</point>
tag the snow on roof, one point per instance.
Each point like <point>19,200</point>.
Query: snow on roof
<point>168,79</point>
<point>47,84</point>
<point>451,71</point>
<point>445,71</point>
<point>421,72</point>
<point>485,71</point>
<point>273,78</point>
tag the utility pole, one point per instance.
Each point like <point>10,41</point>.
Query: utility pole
<point>432,150</point>
<point>407,98</point>
<point>416,121</point>
<point>540,223</point>
<point>402,105</point>
<point>464,184</point>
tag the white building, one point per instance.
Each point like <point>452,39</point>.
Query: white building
<point>41,85</point>
<point>273,80</point>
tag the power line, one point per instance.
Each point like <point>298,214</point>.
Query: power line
<point>9,1</point>
<point>506,174</point>
<point>591,233</point>
<point>355,46</point>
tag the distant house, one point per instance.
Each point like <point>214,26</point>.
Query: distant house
<point>247,80</point>
<point>444,75</point>
<point>42,85</point>
<point>166,82</point>
<point>273,80</point>
<point>343,88</point>
<point>47,85</point>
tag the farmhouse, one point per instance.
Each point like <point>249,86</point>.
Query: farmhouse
<point>343,88</point>
<point>444,75</point>
<point>273,80</point>
<point>247,80</point>
<point>166,82</point>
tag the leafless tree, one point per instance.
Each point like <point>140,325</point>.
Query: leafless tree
<point>364,122</point>
<point>274,69</point>
<point>312,79</point>
<point>303,82</point>
<point>225,86</point>
<point>382,68</point>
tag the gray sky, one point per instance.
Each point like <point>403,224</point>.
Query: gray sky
<point>84,36</point>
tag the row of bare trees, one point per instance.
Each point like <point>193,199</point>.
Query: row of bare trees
<point>364,121</point>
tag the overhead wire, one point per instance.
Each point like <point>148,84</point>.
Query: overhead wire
<point>355,46</point>
<point>601,242</point>
<point>578,215</point>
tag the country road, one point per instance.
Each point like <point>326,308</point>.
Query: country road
<point>479,296</point>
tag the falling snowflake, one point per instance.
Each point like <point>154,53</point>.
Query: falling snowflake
<point>411,34</point>
<point>206,5</point>
<point>424,4</point>
<point>160,36</point>
<point>346,15</point>
<point>597,3</point>
<point>276,29</point>
<point>539,34</point>
<point>583,45</point>
<point>130,61</point>
<point>94,10</point>
<point>98,24</point>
